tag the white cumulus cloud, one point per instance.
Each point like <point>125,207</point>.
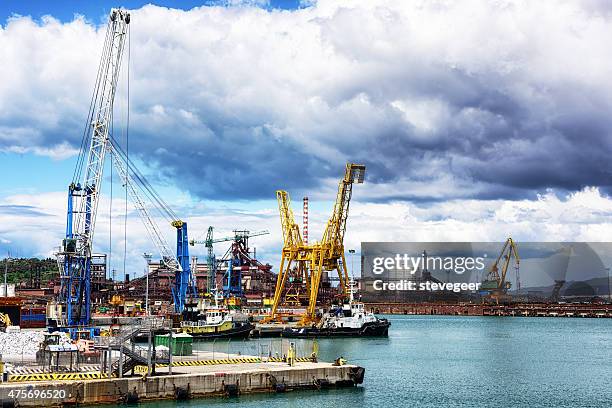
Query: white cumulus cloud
<point>499,99</point>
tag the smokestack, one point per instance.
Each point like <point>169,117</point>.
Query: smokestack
<point>305,220</point>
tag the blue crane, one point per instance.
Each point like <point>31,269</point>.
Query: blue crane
<point>75,254</point>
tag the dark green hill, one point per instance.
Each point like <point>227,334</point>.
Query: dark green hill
<point>28,270</point>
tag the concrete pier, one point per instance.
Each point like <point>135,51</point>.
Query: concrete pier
<point>186,382</point>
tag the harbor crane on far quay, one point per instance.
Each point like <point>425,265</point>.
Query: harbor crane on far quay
<point>232,280</point>
<point>496,283</point>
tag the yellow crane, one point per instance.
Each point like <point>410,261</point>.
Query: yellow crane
<point>5,321</point>
<point>293,276</point>
<point>495,281</point>
<point>294,257</point>
<point>302,265</point>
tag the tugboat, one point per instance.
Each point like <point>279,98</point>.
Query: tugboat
<point>348,320</point>
<point>214,322</point>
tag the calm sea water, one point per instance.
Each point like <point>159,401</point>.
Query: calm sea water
<point>450,361</point>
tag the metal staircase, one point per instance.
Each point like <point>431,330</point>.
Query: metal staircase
<point>132,358</point>
<point>130,355</point>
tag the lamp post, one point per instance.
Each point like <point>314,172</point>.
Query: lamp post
<point>609,293</point>
<point>352,253</point>
<point>5,276</point>
<point>147,257</point>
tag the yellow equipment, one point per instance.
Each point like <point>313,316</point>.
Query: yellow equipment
<point>495,282</point>
<point>116,300</point>
<point>302,265</point>
<point>5,321</point>
<point>292,278</point>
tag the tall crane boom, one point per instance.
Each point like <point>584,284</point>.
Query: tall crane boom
<point>329,254</point>
<point>333,237</point>
<point>290,229</point>
<point>99,124</point>
<point>75,254</point>
<point>74,257</point>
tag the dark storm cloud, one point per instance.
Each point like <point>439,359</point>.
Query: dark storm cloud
<point>480,100</point>
<point>243,169</point>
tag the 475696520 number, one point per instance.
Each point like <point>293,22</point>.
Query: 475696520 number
<point>36,394</point>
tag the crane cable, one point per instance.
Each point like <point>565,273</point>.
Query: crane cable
<point>143,184</point>
<point>131,170</point>
<point>110,212</point>
<point>127,147</point>
<point>163,208</point>
<point>84,148</point>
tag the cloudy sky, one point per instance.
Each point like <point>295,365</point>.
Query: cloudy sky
<point>476,120</point>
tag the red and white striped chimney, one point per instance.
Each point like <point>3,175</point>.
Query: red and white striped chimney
<point>305,220</point>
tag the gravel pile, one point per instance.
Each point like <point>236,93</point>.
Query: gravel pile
<point>20,343</point>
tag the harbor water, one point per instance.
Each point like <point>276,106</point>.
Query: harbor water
<point>447,361</point>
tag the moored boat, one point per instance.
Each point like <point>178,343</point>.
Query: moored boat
<point>205,321</point>
<point>215,324</point>
<point>347,320</point>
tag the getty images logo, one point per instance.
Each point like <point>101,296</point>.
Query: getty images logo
<point>411,264</point>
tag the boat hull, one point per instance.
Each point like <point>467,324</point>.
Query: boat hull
<point>238,332</point>
<point>380,328</point>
